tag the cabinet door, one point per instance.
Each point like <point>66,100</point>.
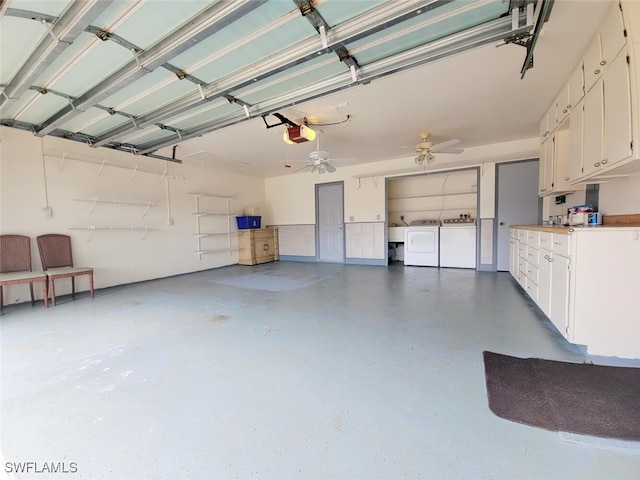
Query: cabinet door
<point>563,103</point>
<point>593,130</point>
<point>548,122</point>
<point>592,67</point>
<point>513,255</point>
<point>612,35</point>
<point>559,298</point>
<point>545,179</point>
<point>544,282</point>
<point>617,112</point>
<point>575,144</point>
<point>576,86</point>
<point>544,127</point>
<point>561,160</point>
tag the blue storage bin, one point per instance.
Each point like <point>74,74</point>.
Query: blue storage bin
<point>247,221</point>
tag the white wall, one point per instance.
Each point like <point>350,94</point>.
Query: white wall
<point>620,196</point>
<point>31,181</point>
<point>290,199</point>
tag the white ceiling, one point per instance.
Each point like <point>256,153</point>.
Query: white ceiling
<point>477,97</point>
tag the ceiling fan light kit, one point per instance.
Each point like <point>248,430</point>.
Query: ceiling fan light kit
<point>298,134</point>
<point>426,149</point>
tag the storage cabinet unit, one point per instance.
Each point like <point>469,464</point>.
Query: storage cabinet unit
<point>602,114</point>
<point>258,246</point>
<point>586,281</point>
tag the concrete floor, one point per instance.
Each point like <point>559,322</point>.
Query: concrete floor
<point>285,371</point>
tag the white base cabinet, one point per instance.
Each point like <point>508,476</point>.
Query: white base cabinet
<point>587,283</point>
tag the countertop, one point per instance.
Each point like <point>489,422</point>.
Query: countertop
<point>625,222</point>
<point>566,229</point>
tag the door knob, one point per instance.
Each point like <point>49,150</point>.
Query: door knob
<point>502,224</point>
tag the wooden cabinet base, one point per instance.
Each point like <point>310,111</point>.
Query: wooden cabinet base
<point>258,246</point>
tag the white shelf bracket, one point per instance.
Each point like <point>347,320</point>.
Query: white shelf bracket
<point>135,170</point>
<point>93,204</point>
<point>101,166</point>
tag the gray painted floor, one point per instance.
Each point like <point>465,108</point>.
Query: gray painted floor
<point>285,371</point>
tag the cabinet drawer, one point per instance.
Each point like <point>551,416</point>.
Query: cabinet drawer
<point>522,266</point>
<point>533,238</point>
<point>545,240</point>
<point>532,289</point>
<point>522,250</point>
<point>533,273</point>
<point>533,256</point>
<point>561,244</point>
<point>262,233</point>
<point>522,236</point>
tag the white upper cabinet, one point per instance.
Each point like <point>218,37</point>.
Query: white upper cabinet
<point>548,122</point>
<point>576,144</point>
<point>604,47</point>
<point>593,142</point>
<point>576,86</point>
<point>603,113</point>
<point>592,67</point>
<point>617,112</point>
<point>563,104</point>
<point>612,35</point>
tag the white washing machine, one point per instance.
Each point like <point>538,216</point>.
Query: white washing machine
<point>458,243</point>
<point>421,245</point>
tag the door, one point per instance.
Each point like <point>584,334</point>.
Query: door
<point>517,203</point>
<point>330,222</point>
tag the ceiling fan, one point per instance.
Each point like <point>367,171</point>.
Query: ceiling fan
<point>426,149</point>
<point>318,161</point>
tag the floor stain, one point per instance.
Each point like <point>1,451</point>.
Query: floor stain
<point>221,318</point>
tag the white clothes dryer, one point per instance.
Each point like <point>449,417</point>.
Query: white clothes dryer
<point>421,245</point>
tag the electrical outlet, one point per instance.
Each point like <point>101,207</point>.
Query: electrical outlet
<point>351,218</point>
<point>48,212</point>
<point>378,217</point>
<point>169,221</point>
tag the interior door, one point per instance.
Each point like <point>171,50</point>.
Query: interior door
<point>330,222</point>
<point>517,203</point>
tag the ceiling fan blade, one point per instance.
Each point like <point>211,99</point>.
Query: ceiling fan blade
<point>448,143</point>
<point>450,150</point>
<point>319,154</point>
<point>330,168</point>
<point>306,165</point>
<point>345,160</point>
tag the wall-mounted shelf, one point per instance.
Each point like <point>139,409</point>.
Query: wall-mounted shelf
<point>204,232</point>
<point>448,194</point>
<point>92,228</point>
<point>212,214</point>
<point>471,209</point>
<point>95,200</point>
<point>202,235</point>
<point>99,162</point>
<point>217,250</point>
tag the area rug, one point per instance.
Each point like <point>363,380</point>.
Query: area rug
<point>582,398</point>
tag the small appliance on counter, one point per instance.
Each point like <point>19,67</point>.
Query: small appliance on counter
<point>583,215</point>
<point>577,215</point>
<point>594,218</point>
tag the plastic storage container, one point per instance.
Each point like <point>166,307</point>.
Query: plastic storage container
<point>247,221</point>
